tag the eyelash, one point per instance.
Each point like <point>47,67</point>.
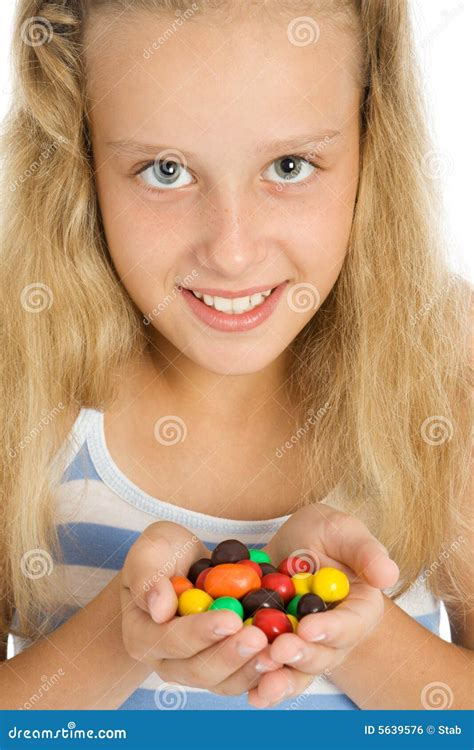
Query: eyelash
<point>302,183</point>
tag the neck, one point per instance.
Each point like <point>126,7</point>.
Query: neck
<point>233,398</point>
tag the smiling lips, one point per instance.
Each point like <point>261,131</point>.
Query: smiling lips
<point>228,312</point>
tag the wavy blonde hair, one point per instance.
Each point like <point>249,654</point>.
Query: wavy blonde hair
<point>388,348</point>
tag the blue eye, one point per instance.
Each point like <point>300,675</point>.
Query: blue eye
<point>165,175</point>
<point>291,167</point>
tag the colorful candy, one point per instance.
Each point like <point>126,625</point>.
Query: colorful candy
<point>230,551</point>
<point>267,568</point>
<point>244,581</point>
<point>180,584</point>
<point>281,583</point>
<point>193,601</point>
<point>256,567</point>
<point>273,622</point>
<point>309,604</point>
<point>302,583</point>
<point>228,602</point>
<point>294,564</point>
<point>259,556</point>
<point>197,567</point>
<point>330,584</point>
<point>231,580</point>
<point>260,598</point>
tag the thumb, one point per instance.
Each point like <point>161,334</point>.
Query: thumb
<point>162,601</point>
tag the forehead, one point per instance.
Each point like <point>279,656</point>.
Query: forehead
<point>207,73</point>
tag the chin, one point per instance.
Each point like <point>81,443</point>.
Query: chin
<point>244,361</point>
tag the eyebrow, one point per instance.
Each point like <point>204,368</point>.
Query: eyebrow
<point>305,141</point>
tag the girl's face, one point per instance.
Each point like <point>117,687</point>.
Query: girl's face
<point>227,160</point>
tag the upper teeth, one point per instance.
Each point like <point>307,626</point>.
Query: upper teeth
<point>237,305</point>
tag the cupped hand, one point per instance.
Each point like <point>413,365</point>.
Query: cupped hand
<point>210,650</point>
<point>323,640</point>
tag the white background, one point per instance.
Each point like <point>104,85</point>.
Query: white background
<point>445,46</point>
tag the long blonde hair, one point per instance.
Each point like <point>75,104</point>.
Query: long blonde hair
<point>387,351</point>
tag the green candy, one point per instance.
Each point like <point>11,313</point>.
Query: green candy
<point>228,602</point>
<point>259,556</point>
<point>293,604</point>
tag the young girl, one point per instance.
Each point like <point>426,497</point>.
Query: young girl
<point>228,313</point>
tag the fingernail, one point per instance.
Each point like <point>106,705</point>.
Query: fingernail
<point>261,667</point>
<point>319,637</point>
<point>225,631</point>
<point>297,657</point>
<point>244,650</point>
<point>288,691</point>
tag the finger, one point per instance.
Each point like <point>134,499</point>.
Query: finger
<point>346,624</point>
<point>248,676</point>
<point>163,550</point>
<point>349,540</point>
<point>211,667</point>
<point>180,638</point>
<point>278,686</point>
<point>308,658</point>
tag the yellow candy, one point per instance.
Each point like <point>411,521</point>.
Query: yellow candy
<point>330,584</point>
<point>302,583</point>
<point>248,621</point>
<point>193,601</point>
<point>293,621</point>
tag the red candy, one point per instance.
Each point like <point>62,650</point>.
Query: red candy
<point>293,565</point>
<point>253,565</point>
<point>273,622</point>
<point>201,578</point>
<point>281,583</point>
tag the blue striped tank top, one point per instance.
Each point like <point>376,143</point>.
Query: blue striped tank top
<point>101,513</point>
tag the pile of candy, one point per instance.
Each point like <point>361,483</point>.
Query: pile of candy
<point>246,582</point>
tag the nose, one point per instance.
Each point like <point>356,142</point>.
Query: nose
<point>234,244</point>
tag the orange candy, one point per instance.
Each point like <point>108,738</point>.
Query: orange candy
<point>231,579</point>
<point>180,584</point>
